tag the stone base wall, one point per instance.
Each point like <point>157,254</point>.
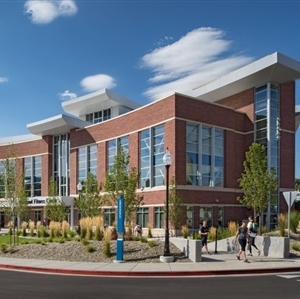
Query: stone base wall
<point>277,247</point>
<point>191,248</point>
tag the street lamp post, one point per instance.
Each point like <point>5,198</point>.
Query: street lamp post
<point>79,188</point>
<point>167,159</point>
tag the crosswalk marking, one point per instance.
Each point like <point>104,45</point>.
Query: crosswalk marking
<point>289,276</point>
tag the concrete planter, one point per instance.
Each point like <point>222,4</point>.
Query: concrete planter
<point>276,247</point>
<point>191,248</point>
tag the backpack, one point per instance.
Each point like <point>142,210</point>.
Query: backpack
<point>254,227</point>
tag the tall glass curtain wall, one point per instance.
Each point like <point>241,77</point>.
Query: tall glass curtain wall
<point>113,146</point>
<point>87,162</point>
<point>33,176</point>
<point>267,121</point>
<point>152,149</point>
<point>2,178</point>
<point>205,155</point>
<point>61,163</point>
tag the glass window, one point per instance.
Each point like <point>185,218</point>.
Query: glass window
<point>109,215</point>
<point>61,163</point>
<point>113,147</point>
<point>152,148</point>
<point>142,216</point>
<point>204,155</point>
<point>87,161</point>
<point>190,216</point>
<point>206,214</point>
<point>33,176</point>
<point>158,217</point>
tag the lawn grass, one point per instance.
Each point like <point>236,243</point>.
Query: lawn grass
<point>6,239</point>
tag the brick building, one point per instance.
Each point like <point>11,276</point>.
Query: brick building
<point>207,135</point>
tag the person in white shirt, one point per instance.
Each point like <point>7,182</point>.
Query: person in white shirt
<point>251,237</point>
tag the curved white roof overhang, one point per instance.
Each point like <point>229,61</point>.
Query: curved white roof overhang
<point>97,101</point>
<point>276,68</point>
<point>56,125</point>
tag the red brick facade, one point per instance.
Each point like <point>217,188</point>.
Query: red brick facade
<point>234,115</point>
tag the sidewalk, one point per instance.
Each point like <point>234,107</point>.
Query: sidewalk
<point>221,263</point>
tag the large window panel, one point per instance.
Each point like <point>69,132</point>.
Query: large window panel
<point>152,149</point>
<point>205,155</point>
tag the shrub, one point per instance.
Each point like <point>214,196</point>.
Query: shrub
<point>72,233</point>
<point>107,238</point>
<point>185,231</point>
<point>294,220</point>
<point>90,248</point>
<point>152,243</point>
<point>106,250</point>
<point>296,246</point>
<point>84,242</point>
<point>232,227</point>
<point>150,231</point>
<point>24,227</point>
<point>143,239</point>
<point>3,247</point>
<point>281,224</point>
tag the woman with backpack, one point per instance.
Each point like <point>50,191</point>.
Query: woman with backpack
<point>252,232</point>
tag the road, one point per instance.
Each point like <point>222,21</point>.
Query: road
<point>16,285</point>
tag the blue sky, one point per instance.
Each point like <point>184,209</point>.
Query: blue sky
<point>51,51</point>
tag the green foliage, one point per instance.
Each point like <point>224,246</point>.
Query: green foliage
<point>12,189</point>
<point>152,243</point>
<point>297,184</point>
<point>89,201</point>
<point>106,249</point>
<point>55,207</point>
<point>143,240</point>
<point>296,246</point>
<point>176,206</point>
<point>294,220</point>
<point>85,242</point>
<point>90,248</point>
<point>3,247</point>
<point>98,234</point>
<point>72,233</point>
<point>257,181</point>
<point>282,223</point>
<point>121,180</point>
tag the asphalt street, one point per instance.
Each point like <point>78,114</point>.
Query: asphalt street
<point>16,285</point>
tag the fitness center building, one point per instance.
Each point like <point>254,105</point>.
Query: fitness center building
<point>207,134</point>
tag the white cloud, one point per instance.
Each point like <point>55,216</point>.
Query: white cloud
<point>3,79</point>
<point>97,82</point>
<point>45,11</point>
<point>66,95</point>
<point>198,57</point>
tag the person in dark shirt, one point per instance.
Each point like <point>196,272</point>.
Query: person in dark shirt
<point>241,235</point>
<point>204,231</point>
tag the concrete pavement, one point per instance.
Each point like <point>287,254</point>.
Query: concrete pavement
<point>221,263</point>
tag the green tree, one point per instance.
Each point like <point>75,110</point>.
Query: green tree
<point>176,207</point>
<point>297,184</point>
<point>257,181</point>
<point>12,180</point>
<point>55,207</point>
<point>90,201</point>
<point>120,180</point>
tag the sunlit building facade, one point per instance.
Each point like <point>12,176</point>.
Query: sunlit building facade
<point>207,134</point>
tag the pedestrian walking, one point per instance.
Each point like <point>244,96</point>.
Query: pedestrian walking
<point>138,230</point>
<point>252,232</point>
<point>203,232</point>
<point>241,235</point>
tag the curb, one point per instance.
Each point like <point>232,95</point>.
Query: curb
<point>150,273</point>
